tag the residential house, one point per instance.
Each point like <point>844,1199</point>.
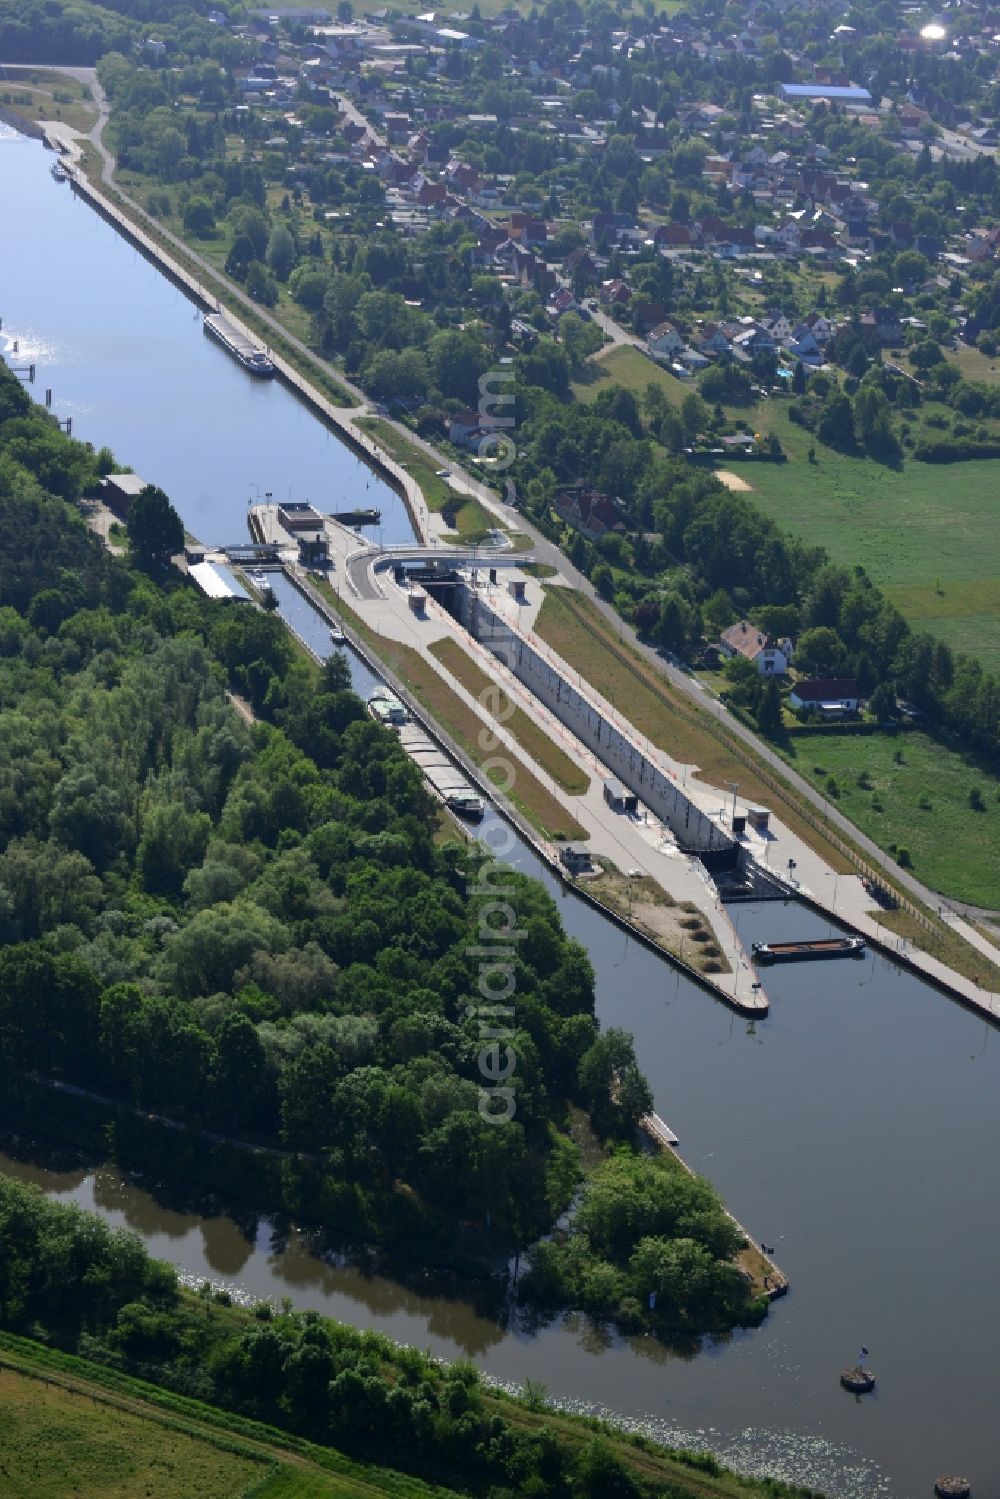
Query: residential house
<point>664,341</point>
<point>770,657</point>
<point>832,697</point>
<point>588,511</point>
<point>616,294</point>
<point>884,323</point>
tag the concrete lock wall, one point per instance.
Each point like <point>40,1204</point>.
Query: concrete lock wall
<point>657,789</point>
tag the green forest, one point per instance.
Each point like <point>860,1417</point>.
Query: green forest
<point>245,944</point>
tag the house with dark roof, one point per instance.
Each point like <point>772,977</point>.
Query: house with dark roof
<point>830,696</point>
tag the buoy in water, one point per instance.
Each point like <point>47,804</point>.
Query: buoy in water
<point>858,1380</point>
<point>953,1488</point>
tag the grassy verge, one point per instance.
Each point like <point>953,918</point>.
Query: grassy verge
<point>469,521</point>
<point>68,1426</point>
<point>581,635</point>
<point>532,739</point>
<point>56,1441</point>
<point>527,793</point>
<point>944,944</point>
<point>908,791</point>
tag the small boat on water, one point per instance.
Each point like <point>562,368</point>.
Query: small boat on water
<point>826,947</point>
<point>337,635</point>
<point>386,708</point>
<point>466,803</point>
<point>58,171</point>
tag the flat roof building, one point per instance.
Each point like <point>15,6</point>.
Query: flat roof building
<point>216,581</point>
<point>119,490</point>
<point>803,93</point>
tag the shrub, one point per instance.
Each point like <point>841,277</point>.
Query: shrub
<point>904,858</point>
<point>976,800</point>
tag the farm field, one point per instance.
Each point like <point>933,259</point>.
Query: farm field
<point>919,802</point>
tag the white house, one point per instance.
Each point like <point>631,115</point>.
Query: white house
<point>664,341</point>
<point>831,697</point>
<point>770,657</point>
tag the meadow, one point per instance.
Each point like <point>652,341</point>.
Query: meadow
<point>926,533</point>
<point>908,791</point>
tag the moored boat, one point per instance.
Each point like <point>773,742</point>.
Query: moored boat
<point>251,357</point>
<point>59,172</point>
<point>466,803</point>
<point>386,708</point>
<point>337,635</point>
<point>826,947</point>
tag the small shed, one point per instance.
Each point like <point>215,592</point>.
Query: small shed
<point>574,857</point>
<point>417,600</point>
<point>119,490</point>
<point>515,587</point>
<point>758,818</point>
<point>618,797</point>
<point>313,550</point>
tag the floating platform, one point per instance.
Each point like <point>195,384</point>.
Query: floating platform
<point>859,1381</point>
<point>369,517</point>
<point>797,952</point>
<point>250,355</point>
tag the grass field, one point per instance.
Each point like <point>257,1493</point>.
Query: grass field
<point>629,367</point>
<point>55,1443</point>
<point>532,739</point>
<point>581,635</point>
<point>527,793</point>
<point>919,802</point>
<point>926,533</point>
<point>43,95</point>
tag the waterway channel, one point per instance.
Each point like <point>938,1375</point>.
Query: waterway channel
<point>854,1129</point>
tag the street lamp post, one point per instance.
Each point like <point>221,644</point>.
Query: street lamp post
<point>734,787</point>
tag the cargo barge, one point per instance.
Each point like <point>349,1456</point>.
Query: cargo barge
<point>827,947</point>
<point>250,355</point>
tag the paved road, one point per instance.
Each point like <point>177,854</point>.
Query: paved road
<point>546,552</point>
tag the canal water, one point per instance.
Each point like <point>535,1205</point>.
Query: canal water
<point>854,1129</point>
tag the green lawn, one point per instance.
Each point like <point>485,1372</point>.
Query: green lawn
<point>566,773</point>
<point>927,534</point>
<point>629,367</point>
<point>469,521</point>
<point>953,847</point>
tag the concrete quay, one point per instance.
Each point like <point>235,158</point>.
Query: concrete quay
<point>643,844</point>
